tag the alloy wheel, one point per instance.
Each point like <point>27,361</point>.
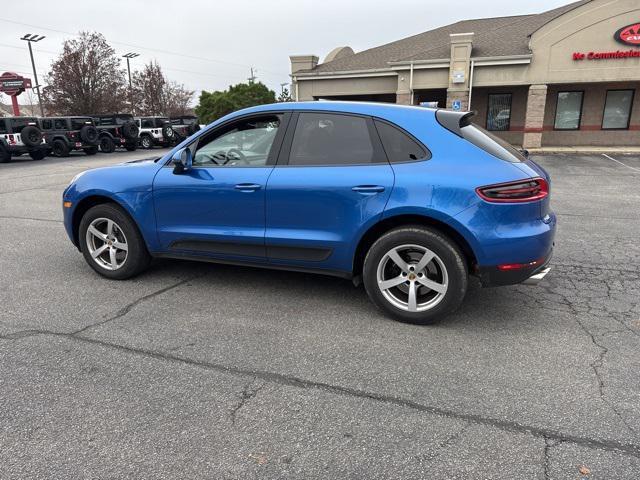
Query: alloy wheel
<point>107,244</point>
<point>412,278</point>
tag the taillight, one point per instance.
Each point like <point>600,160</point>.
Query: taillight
<point>514,192</point>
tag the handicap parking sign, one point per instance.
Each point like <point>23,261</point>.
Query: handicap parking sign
<point>456,104</point>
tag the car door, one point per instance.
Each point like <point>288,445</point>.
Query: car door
<point>331,183</point>
<point>217,207</point>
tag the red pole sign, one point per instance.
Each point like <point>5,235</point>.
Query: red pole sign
<point>13,85</point>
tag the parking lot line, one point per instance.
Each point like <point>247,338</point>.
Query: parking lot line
<point>623,164</point>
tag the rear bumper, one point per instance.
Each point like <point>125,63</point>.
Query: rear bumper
<point>529,275</point>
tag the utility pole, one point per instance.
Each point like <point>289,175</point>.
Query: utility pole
<point>29,38</point>
<point>253,77</point>
<point>129,56</point>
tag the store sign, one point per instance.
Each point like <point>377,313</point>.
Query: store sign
<point>629,35</point>
<point>12,84</point>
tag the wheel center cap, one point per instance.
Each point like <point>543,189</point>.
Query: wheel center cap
<point>412,276</point>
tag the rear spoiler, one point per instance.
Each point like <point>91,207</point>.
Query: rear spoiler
<point>454,121</point>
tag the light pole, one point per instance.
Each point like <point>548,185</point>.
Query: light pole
<point>29,38</point>
<point>129,56</point>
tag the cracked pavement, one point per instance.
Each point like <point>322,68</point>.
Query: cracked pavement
<point>198,370</point>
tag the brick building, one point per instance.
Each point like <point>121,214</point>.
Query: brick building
<point>568,76</point>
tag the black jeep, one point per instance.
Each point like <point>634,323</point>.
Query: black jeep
<point>64,134</point>
<point>184,126</point>
<point>116,130</point>
<point>20,135</point>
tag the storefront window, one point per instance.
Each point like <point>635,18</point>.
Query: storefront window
<point>499,111</point>
<point>617,109</point>
<point>568,110</point>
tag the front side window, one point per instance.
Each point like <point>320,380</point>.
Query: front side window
<point>331,139</point>
<point>243,144</point>
<point>399,146</point>
<point>499,112</point>
<point>568,110</point>
<point>617,109</point>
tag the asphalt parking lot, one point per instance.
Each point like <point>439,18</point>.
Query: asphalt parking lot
<point>209,371</point>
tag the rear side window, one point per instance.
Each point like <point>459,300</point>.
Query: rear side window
<point>60,124</point>
<point>332,139</point>
<point>46,124</point>
<point>399,146</point>
<point>146,123</point>
<point>78,123</point>
<point>491,144</point>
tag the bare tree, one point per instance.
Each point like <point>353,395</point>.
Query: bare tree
<point>86,78</point>
<point>153,94</point>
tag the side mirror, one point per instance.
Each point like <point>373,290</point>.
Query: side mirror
<point>182,160</point>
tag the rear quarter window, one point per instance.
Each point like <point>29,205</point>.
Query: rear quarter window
<point>491,143</point>
<point>398,145</point>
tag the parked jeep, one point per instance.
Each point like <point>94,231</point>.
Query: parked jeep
<point>65,134</point>
<point>155,131</point>
<point>116,130</point>
<point>20,135</point>
<point>184,126</point>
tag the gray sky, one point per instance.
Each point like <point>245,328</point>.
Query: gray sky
<point>216,42</point>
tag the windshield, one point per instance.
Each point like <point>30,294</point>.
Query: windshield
<point>492,144</point>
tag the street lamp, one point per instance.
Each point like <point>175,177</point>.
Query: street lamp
<point>129,56</point>
<point>30,38</point>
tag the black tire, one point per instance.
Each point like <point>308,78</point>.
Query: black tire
<point>137,258</point>
<point>146,142</point>
<point>89,134</point>
<point>31,136</point>
<point>447,252</point>
<point>91,150</point>
<point>129,130</point>
<point>5,154</point>
<point>38,154</point>
<point>60,148</point>
<point>107,145</point>
<point>130,147</point>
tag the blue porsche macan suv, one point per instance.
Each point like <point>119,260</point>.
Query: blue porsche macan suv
<point>408,201</point>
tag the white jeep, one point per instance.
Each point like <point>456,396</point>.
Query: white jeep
<point>155,131</point>
<point>20,135</point>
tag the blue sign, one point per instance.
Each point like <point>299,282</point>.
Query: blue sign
<point>456,104</point>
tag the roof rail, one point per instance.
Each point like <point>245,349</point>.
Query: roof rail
<point>454,121</point>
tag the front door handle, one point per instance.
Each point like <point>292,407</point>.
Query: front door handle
<point>248,187</point>
<point>368,189</point>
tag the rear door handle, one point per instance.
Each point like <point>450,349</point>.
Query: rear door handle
<point>368,189</point>
<point>248,187</point>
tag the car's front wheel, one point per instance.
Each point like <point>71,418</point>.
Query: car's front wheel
<point>111,243</point>
<point>415,274</point>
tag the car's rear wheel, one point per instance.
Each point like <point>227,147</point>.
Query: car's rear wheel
<point>415,274</point>
<point>91,150</point>
<point>5,154</point>
<point>107,145</point>
<point>111,243</point>
<point>146,142</point>
<point>60,148</point>
<point>38,154</point>
<point>131,147</point>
